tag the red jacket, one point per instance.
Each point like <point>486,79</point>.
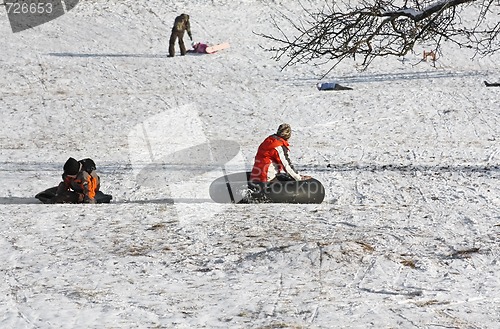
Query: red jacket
<point>271,159</point>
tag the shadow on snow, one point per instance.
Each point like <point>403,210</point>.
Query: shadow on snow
<point>110,55</point>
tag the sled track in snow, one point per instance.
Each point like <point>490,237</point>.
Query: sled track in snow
<point>385,77</point>
<point>408,76</point>
<point>12,167</point>
<point>410,168</point>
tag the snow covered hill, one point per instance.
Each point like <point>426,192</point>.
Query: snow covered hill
<point>408,235</point>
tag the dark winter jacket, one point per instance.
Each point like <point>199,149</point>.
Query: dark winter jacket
<point>182,24</point>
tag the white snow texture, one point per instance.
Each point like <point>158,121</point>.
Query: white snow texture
<point>408,235</point>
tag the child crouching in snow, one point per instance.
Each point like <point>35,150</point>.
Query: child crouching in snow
<point>80,182</point>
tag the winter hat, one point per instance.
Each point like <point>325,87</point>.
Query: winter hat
<point>71,167</point>
<point>284,130</point>
<point>88,165</point>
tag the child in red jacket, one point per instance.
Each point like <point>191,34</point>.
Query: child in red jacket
<point>272,158</point>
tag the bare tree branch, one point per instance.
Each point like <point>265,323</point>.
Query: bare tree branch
<point>378,28</point>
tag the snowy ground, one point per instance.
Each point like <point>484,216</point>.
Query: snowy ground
<point>408,235</point>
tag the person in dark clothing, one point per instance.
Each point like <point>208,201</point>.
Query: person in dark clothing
<point>181,25</point>
<point>80,182</point>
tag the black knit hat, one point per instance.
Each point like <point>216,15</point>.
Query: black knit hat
<point>88,165</point>
<point>71,167</point>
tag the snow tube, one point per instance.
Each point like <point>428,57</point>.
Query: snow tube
<point>236,188</point>
<point>48,195</point>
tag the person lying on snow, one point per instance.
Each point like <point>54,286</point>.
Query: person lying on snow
<point>200,48</point>
<point>80,182</point>
<point>272,160</point>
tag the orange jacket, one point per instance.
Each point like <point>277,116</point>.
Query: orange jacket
<point>271,159</point>
<point>85,183</point>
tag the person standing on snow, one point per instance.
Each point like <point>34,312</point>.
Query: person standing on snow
<point>181,24</point>
<point>272,158</point>
<point>80,182</point>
